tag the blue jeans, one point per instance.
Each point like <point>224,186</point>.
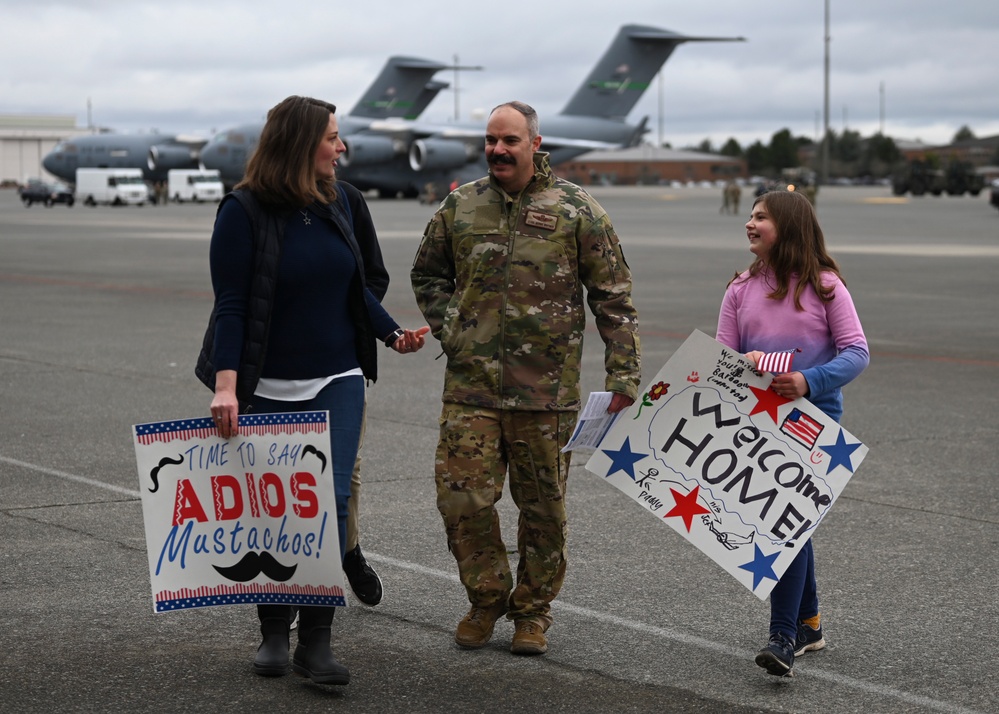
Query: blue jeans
<point>344,399</point>
<point>794,597</point>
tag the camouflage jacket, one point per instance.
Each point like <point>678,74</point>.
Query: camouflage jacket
<point>500,281</point>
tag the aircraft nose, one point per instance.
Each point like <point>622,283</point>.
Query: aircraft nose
<point>210,157</point>
<point>50,163</point>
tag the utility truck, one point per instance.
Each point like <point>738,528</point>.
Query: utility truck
<point>115,187</point>
<point>194,185</point>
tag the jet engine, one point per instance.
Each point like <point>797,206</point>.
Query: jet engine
<point>368,150</point>
<point>164,157</point>
<point>440,154</point>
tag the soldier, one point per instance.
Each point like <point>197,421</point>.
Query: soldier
<point>734,194</point>
<point>499,276</point>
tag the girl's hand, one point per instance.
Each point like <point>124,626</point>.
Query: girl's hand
<point>754,357</point>
<point>791,385</point>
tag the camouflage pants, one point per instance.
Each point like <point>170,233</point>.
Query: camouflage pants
<point>476,448</point>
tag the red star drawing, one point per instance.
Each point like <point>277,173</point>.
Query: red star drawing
<point>767,400</point>
<point>686,506</point>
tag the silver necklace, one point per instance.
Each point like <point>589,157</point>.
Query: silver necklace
<point>305,217</point>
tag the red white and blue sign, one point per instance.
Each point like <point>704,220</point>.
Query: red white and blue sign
<point>741,472</point>
<point>251,519</point>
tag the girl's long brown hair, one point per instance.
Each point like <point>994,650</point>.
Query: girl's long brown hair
<point>281,172</point>
<point>800,248</point>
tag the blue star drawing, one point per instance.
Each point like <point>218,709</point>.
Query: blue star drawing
<point>840,453</point>
<point>761,567</point>
<point>624,459</point>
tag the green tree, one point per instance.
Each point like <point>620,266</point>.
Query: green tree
<point>963,134</point>
<point>757,158</point>
<point>705,147</point>
<point>847,148</point>
<point>783,150</point>
<point>731,148</point>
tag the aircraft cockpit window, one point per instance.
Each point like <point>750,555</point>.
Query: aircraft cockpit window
<point>237,138</point>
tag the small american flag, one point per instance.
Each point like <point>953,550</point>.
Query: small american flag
<point>777,362</point>
<point>802,428</point>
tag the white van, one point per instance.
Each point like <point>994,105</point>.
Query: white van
<point>111,186</point>
<point>194,185</point>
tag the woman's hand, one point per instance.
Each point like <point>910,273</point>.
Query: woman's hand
<point>225,405</point>
<point>410,341</point>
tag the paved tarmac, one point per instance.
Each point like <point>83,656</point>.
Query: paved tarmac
<point>102,315</point>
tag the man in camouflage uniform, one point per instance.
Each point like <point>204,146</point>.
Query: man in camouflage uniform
<point>499,277</point>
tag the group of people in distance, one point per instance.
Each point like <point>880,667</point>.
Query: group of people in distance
<point>502,276</point>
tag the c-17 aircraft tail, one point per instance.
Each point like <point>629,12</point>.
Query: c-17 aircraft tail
<point>403,89</point>
<point>390,153</point>
<point>626,70</point>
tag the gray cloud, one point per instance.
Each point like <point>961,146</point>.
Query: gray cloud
<point>198,66</point>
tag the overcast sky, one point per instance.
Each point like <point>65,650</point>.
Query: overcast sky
<point>176,66</point>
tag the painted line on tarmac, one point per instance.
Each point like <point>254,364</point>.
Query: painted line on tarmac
<point>701,643</point>
<point>71,477</point>
<point>641,627</point>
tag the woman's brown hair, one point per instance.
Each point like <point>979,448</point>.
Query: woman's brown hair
<point>281,171</point>
<point>800,249</point>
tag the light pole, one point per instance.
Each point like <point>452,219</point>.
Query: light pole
<point>458,68</point>
<point>825,111</point>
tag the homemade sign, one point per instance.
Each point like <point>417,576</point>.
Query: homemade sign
<point>251,519</point>
<point>742,473</point>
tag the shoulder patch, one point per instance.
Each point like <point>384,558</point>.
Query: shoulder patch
<point>537,219</point>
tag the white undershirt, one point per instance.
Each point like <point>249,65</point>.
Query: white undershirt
<point>297,390</point>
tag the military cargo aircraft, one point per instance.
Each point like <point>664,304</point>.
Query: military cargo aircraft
<point>399,156</point>
<point>403,90</point>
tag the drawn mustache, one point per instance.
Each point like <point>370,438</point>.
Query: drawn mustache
<point>155,473</point>
<point>310,449</point>
<point>253,564</point>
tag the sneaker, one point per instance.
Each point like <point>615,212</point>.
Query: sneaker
<point>809,640</point>
<point>529,638</point>
<point>476,627</point>
<point>778,656</point>
<point>364,581</point>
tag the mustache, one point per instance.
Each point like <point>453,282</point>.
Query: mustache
<point>253,564</point>
<point>502,159</point>
<point>310,449</point>
<point>155,473</point>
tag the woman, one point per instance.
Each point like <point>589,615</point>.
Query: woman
<point>295,327</point>
<point>793,297</point>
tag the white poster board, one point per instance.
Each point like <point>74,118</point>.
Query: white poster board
<point>739,471</point>
<point>251,519</point>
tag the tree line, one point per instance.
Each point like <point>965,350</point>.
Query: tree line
<point>850,154</point>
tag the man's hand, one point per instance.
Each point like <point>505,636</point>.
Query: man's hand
<point>619,402</point>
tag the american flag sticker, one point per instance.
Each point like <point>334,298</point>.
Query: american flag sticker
<point>802,428</point>
<point>777,362</point>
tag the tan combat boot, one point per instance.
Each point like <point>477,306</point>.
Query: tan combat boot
<point>476,627</point>
<point>529,638</point>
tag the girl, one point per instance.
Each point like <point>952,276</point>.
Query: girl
<point>792,296</point>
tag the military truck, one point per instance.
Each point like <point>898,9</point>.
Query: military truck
<point>920,177</point>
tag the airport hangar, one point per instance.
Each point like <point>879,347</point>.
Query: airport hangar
<point>25,139</point>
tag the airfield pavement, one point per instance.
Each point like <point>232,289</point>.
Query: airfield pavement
<point>102,316</point>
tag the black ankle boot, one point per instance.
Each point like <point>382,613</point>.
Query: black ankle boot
<point>272,655</point>
<point>313,657</point>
